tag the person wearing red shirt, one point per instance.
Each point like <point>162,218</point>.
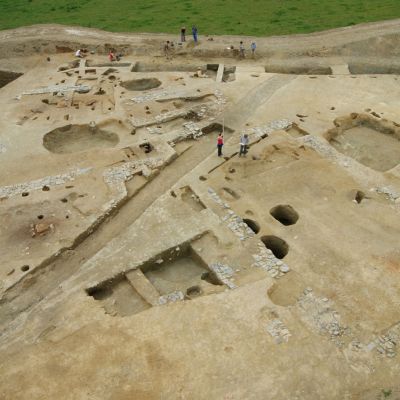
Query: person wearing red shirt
<point>220,143</point>
<point>111,56</point>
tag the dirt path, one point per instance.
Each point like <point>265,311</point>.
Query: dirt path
<point>249,104</point>
<point>364,40</point>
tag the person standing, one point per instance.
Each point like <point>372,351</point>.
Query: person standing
<point>244,141</point>
<point>183,34</point>
<point>194,33</point>
<point>241,50</point>
<point>111,55</point>
<point>220,143</point>
<point>253,49</point>
<point>166,49</point>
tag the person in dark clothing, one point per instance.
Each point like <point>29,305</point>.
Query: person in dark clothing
<point>194,33</point>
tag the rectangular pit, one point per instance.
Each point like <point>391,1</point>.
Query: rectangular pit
<point>176,274</point>
<point>372,142</point>
<point>119,298</point>
<point>177,270</point>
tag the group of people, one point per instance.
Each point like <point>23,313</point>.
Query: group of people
<point>194,34</point>
<point>169,46</point>
<point>253,47</point>
<point>112,56</point>
<point>244,144</point>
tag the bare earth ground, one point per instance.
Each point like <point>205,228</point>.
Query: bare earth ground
<point>136,264</point>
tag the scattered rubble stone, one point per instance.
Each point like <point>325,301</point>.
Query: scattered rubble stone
<point>265,130</point>
<point>223,273</point>
<point>58,89</point>
<point>386,344</point>
<point>13,190</point>
<point>171,298</point>
<point>389,192</point>
<point>233,221</point>
<point>278,330</point>
<point>163,95</point>
<point>266,260</point>
<point>319,314</point>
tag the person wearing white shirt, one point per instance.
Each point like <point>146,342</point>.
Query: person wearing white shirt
<point>244,141</point>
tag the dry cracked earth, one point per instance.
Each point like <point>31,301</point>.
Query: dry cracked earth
<point>137,264</point>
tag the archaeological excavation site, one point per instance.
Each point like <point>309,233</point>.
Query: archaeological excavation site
<point>137,264</point>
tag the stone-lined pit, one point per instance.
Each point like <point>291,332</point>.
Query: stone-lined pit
<point>277,245</point>
<point>368,139</point>
<point>285,214</point>
<point>253,225</point>
<point>75,138</point>
<point>141,84</point>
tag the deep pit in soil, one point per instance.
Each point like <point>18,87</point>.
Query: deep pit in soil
<point>7,77</point>
<point>141,84</point>
<point>74,138</point>
<point>253,225</point>
<point>285,214</point>
<point>277,245</point>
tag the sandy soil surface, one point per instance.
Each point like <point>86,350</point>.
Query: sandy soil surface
<point>137,264</point>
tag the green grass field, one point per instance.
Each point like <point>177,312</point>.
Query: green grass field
<point>236,17</point>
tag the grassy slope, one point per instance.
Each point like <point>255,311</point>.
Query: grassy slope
<point>251,17</point>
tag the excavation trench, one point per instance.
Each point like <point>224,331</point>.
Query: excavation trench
<point>7,77</point>
<point>369,68</point>
<point>145,67</point>
<point>19,298</point>
<point>298,70</point>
